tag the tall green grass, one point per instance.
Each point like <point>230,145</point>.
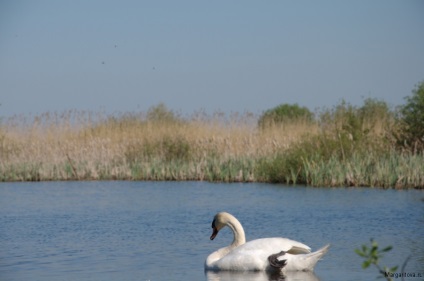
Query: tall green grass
<point>394,170</point>
<point>343,147</point>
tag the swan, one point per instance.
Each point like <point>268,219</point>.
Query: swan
<point>266,254</point>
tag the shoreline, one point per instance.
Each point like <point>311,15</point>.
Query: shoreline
<point>194,180</point>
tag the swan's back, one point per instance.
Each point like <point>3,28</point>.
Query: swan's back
<point>274,245</point>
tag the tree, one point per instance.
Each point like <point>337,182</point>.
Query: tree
<point>161,113</point>
<point>412,119</point>
<point>285,113</point>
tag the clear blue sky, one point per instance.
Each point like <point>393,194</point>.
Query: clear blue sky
<point>232,56</point>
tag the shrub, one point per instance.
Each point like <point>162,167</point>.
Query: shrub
<point>175,149</point>
<point>412,119</point>
<point>370,124</point>
<point>285,113</point>
<point>168,149</point>
<point>289,166</point>
<point>347,132</point>
<point>160,113</point>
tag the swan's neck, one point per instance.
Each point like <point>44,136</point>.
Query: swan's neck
<point>239,236</point>
<point>239,239</point>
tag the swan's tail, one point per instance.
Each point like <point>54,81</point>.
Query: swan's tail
<point>306,262</point>
<point>312,258</point>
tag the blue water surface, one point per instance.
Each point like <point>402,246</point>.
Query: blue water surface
<point>123,230</point>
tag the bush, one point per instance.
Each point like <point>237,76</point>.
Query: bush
<point>289,166</point>
<point>285,113</point>
<point>412,119</point>
<point>348,132</point>
<point>375,113</point>
<point>160,113</point>
<point>370,124</point>
<point>168,149</point>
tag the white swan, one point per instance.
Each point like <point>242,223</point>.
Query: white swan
<point>267,254</point>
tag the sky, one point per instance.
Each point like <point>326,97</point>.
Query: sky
<point>226,56</point>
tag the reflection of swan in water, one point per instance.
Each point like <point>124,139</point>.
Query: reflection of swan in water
<point>260,276</point>
<point>267,254</point>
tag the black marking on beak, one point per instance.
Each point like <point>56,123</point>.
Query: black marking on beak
<point>215,230</point>
<point>214,233</point>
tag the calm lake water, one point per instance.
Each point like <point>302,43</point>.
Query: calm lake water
<point>160,230</point>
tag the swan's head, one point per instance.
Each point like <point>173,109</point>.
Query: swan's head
<point>219,221</point>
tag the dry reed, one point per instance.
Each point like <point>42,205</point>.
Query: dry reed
<point>78,145</point>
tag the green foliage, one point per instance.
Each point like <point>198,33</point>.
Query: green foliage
<point>412,119</point>
<point>354,148</point>
<point>285,113</point>
<point>175,149</point>
<point>275,170</point>
<point>160,113</point>
<point>345,146</point>
<point>295,164</point>
<point>372,256</point>
<point>374,110</point>
<point>373,119</point>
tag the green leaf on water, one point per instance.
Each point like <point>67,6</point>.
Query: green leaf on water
<point>360,253</point>
<point>393,269</point>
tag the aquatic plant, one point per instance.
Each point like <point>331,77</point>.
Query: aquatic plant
<point>373,255</point>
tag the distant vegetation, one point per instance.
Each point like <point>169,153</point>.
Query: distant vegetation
<point>368,145</point>
<point>412,120</point>
<point>283,114</point>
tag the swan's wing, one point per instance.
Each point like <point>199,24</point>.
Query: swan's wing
<point>296,247</point>
<point>296,250</point>
<point>277,244</point>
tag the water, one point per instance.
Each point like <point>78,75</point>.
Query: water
<point>160,230</point>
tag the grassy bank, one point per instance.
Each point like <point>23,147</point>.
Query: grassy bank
<point>161,145</point>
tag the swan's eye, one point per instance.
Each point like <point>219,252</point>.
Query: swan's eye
<point>213,223</point>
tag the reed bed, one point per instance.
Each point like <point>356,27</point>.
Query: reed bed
<point>78,145</point>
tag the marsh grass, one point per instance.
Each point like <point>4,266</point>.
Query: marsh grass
<point>83,145</point>
<point>336,150</point>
